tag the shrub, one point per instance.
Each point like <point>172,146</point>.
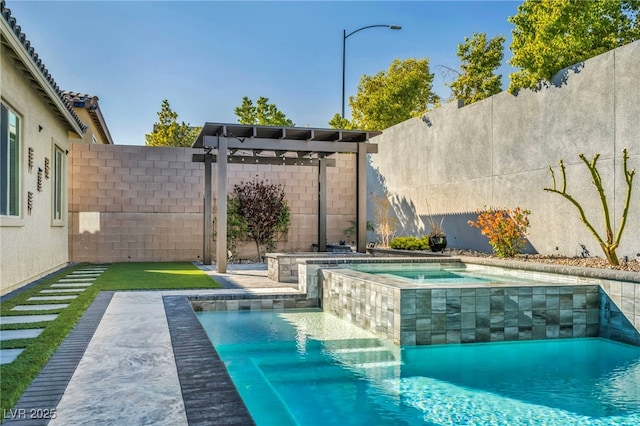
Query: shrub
<point>410,243</point>
<point>259,210</point>
<point>506,229</point>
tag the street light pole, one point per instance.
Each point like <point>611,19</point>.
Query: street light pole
<point>344,50</point>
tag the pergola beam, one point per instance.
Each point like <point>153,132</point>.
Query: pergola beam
<point>274,161</point>
<point>262,144</point>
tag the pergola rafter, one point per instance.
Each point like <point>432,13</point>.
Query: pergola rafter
<point>225,144</point>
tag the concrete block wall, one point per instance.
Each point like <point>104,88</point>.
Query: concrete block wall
<point>496,153</point>
<point>138,203</point>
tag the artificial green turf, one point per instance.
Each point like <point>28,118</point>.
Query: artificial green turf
<point>16,376</point>
<point>154,276</point>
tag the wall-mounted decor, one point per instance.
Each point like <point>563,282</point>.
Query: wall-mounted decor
<point>30,158</point>
<point>29,202</point>
<point>39,179</point>
<point>46,167</point>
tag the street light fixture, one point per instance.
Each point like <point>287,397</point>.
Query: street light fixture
<point>344,45</point>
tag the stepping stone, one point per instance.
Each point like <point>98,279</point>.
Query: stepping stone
<point>40,307</point>
<point>63,290</point>
<point>74,280</point>
<point>26,319</point>
<point>71,285</point>
<point>28,333</point>
<point>8,355</point>
<point>35,298</point>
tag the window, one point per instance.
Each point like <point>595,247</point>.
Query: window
<point>58,183</point>
<point>9,162</point>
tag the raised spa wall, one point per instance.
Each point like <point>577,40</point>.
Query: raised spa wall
<point>573,304</point>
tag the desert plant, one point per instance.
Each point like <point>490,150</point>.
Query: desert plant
<point>436,227</point>
<point>609,244</point>
<point>385,221</point>
<point>506,229</point>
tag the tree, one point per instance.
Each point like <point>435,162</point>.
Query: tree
<point>167,131</point>
<point>550,35</point>
<point>391,97</point>
<point>261,114</point>
<point>339,122</point>
<point>609,243</point>
<point>479,59</point>
<point>264,210</point>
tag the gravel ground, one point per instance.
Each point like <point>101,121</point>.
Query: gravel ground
<point>632,265</point>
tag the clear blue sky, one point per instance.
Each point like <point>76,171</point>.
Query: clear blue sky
<point>204,56</point>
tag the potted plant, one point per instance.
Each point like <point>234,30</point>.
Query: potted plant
<point>437,236</point>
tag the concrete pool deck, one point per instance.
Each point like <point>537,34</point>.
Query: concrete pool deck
<point>124,363</point>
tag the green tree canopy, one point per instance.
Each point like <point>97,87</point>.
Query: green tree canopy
<point>262,113</point>
<point>479,59</point>
<point>167,131</point>
<point>550,35</point>
<point>391,97</point>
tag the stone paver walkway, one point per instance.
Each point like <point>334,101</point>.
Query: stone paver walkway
<point>130,374</point>
<point>81,279</point>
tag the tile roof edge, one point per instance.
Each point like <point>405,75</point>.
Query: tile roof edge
<point>30,51</point>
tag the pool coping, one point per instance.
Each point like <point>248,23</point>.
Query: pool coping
<point>597,273</point>
<point>202,374</point>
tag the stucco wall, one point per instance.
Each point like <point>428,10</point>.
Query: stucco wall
<point>496,152</point>
<point>32,245</point>
<point>145,203</point>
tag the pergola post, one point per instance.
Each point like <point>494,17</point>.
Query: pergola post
<point>207,219</point>
<point>322,205</point>
<point>361,198</point>
<point>221,192</point>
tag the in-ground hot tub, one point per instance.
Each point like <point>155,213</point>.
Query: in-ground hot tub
<point>491,304</point>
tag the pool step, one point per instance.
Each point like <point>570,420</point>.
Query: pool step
<point>330,365</point>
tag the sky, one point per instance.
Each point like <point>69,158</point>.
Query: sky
<point>205,56</point>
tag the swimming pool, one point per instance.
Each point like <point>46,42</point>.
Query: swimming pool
<point>310,368</point>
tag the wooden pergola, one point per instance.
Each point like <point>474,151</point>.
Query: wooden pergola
<point>225,144</point>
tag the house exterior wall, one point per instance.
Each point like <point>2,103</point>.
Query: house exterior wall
<point>138,203</point>
<point>496,153</point>
<point>92,131</point>
<point>33,244</point>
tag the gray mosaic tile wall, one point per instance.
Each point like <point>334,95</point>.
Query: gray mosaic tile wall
<point>411,316</point>
<point>283,267</point>
<point>620,311</point>
<point>250,302</point>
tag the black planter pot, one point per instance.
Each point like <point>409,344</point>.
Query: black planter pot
<point>437,243</point>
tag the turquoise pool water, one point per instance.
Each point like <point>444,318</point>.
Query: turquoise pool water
<point>311,368</point>
<point>440,274</point>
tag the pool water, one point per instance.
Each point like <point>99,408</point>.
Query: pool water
<point>440,274</point>
<point>311,368</point>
